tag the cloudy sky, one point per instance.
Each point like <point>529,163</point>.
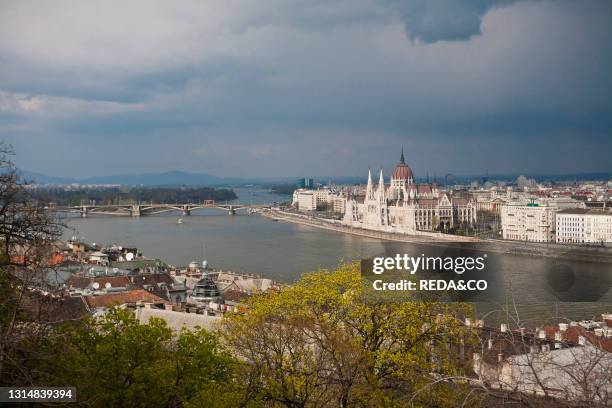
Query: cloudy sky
<point>313,87</point>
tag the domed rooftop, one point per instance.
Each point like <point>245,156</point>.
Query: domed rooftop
<point>206,289</point>
<point>402,171</point>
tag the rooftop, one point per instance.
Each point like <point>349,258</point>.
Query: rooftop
<point>590,211</point>
<point>130,297</point>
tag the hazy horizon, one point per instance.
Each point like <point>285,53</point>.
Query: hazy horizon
<point>188,178</point>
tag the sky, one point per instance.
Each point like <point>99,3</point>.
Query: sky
<point>307,87</point>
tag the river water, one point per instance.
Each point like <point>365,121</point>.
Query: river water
<point>283,251</point>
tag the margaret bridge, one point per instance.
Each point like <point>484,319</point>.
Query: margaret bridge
<point>137,210</point>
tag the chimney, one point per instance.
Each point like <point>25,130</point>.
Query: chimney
<point>562,327</point>
<point>500,357</point>
<point>582,340</point>
<point>468,321</point>
<point>503,328</point>
<point>542,334</point>
<point>490,344</point>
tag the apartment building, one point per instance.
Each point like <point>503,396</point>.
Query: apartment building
<point>531,222</point>
<point>581,225</point>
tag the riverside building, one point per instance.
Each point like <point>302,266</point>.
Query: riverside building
<point>531,222</point>
<point>311,200</point>
<point>404,206</point>
<point>305,200</point>
<point>581,225</point>
<point>535,221</point>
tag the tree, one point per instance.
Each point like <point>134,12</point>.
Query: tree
<point>321,343</point>
<point>27,235</point>
<point>114,360</point>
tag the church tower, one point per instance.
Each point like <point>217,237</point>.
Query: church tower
<point>370,187</point>
<point>382,200</point>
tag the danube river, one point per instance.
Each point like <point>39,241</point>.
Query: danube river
<point>283,251</point>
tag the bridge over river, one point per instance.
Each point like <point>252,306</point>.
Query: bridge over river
<point>137,210</point>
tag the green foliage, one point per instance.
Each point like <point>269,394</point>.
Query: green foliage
<point>319,344</point>
<point>286,189</point>
<point>115,361</point>
<point>315,344</point>
<point>114,196</point>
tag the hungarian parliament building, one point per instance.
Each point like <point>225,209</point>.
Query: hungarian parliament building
<point>406,207</point>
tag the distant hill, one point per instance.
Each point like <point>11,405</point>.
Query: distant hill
<point>162,179</point>
<point>39,178</point>
<point>183,178</point>
<point>170,178</point>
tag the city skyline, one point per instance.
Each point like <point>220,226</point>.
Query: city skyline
<point>307,88</point>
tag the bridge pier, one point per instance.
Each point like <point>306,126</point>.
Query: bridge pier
<point>84,212</point>
<point>231,210</point>
<point>135,210</point>
<point>186,210</point>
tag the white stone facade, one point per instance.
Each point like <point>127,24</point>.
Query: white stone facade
<point>530,222</point>
<point>405,207</point>
<point>309,200</point>
<point>305,200</point>
<point>584,226</point>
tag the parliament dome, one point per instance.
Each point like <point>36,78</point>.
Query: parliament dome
<point>402,171</point>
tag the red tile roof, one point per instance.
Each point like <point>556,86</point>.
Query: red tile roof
<point>152,279</point>
<point>402,172</point>
<point>235,295</point>
<point>572,333</point>
<point>424,188</point>
<point>130,297</point>
<point>427,202</point>
<point>83,283</point>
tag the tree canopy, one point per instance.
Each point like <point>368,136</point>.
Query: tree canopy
<point>321,343</point>
<point>113,360</point>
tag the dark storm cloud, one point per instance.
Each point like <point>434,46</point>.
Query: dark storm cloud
<point>436,20</point>
<point>300,87</point>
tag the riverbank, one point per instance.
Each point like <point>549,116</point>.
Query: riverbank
<point>334,225</point>
<point>548,250</point>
